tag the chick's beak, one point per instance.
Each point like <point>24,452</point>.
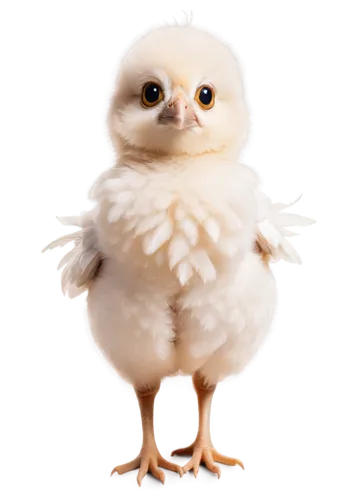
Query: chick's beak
<point>178,112</point>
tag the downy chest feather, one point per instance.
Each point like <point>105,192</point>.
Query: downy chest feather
<point>187,219</point>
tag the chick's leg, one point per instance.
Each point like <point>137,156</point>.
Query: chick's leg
<point>202,450</point>
<point>149,458</point>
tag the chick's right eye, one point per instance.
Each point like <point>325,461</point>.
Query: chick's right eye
<point>152,94</point>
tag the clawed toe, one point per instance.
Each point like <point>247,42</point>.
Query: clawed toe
<point>121,469</point>
<point>222,459</point>
<point>170,466</point>
<point>149,461</point>
<point>202,456</point>
<point>207,456</point>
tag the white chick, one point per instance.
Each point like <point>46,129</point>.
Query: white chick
<point>175,252</point>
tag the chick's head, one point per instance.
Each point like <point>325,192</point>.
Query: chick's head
<point>179,91</point>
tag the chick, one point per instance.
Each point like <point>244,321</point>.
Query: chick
<point>175,252</point>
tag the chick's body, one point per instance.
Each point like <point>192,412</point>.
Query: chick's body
<point>175,252</point>
<point>148,323</point>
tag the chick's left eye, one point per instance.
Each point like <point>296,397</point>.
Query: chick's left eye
<point>152,94</point>
<point>205,97</point>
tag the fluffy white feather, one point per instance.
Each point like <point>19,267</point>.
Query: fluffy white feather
<point>272,229</point>
<point>184,272</point>
<point>179,249</point>
<point>189,228</point>
<point>201,262</point>
<point>212,227</point>
<point>82,262</point>
<point>155,239</point>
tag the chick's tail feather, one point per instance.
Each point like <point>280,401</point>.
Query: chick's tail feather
<point>81,264</point>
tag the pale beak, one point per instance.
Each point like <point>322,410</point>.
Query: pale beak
<point>179,113</point>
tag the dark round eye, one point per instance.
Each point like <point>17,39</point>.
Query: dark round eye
<point>152,94</point>
<point>205,97</point>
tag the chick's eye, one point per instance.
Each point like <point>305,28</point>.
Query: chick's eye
<point>205,97</point>
<point>152,94</point>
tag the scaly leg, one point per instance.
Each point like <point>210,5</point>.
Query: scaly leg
<point>202,450</point>
<point>149,458</point>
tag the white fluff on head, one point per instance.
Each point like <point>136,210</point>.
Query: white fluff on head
<point>186,56</point>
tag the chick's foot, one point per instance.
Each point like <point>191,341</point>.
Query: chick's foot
<point>149,460</point>
<point>205,454</point>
